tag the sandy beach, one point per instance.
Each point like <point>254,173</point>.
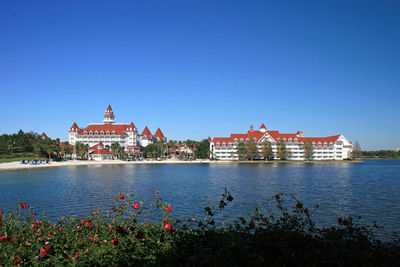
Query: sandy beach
<point>16,165</point>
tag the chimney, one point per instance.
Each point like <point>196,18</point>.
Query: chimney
<point>251,128</point>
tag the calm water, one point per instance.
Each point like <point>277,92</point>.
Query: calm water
<point>371,189</point>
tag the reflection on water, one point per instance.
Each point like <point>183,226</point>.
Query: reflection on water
<point>369,189</point>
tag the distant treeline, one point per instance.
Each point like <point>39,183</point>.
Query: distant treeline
<point>27,144</point>
<point>384,154</point>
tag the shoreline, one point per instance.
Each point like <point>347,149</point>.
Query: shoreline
<point>17,166</point>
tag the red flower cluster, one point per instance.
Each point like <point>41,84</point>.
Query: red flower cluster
<point>167,226</point>
<point>23,205</point>
<point>135,206</point>
<point>77,253</point>
<point>121,196</point>
<point>114,241</point>
<point>168,209</point>
<point>88,223</point>
<point>1,212</point>
<point>43,252</point>
<point>3,238</point>
<point>17,261</point>
<point>164,220</point>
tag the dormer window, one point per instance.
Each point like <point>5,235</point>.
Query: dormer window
<point>295,140</point>
<point>102,132</point>
<point>85,132</point>
<point>223,144</point>
<point>217,143</point>
<point>313,143</point>
<point>108,132</point>
<point>113,132</point>
<point>241,140</point>
<point>229,144</point>
<point>319,144</point>
<point>290,140</point>
<point>235,140</point>
<point>255,139</point>
<point>325,143</point>
<point>91,132</point>
<point>247,139</point>
<point>330,144</point>
<point>150,137</point>
<point>284,139</point>
<point>96,132</point>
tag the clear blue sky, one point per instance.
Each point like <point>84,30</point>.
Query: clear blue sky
<point>200,68</point>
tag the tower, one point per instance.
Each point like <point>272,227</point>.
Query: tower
<point>109,115</point>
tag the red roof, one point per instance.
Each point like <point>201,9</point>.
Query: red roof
<point>275,135</point>
<point>118,128</point>
<point>159,134</point>
<point>146,132</point>
<point>109,109</point>
<point>64,145</point>
<point>100,151</point>
<point>263,126</point>
<point>44,135</point>
<point>132,126</point>
<point>97,145</point>
<point>74,126</point>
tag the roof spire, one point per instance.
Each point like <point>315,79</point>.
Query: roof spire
<point>109,115</point>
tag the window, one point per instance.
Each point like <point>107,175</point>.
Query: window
<point>313,143</point>
<point>217,143</point>
<point>319,143</point>
<point>290,140</point>
<point>85,132</point>
<point>90,132</point>
<point>284,139</point>
<point>96,132</point>
<point>223,144</point>
<point>241,140</point>
<point>113,132</point>
<point>325,143</point>
<point>295,140</point>
<point>235,140</point>
<point>102,132</point>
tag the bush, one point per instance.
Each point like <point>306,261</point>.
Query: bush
<point>278,232</point>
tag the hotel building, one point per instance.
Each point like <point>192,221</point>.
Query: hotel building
<point>100,135</point>
<point>335,147</point>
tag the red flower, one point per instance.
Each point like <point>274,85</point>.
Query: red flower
<point>114,241</point>
<point>95,212</point>
<point>135,206</point>
<point>88,223</point>
<point>60,229</point>
<point>167,226</point>
<point>229,198</point>
<point>121,196</point>
<point>80,239</point>
<point>164,220</point>
<point>48,234</point>
<point>91,238</point>
<point>17,261</point>
<point>33,213</point>
<point>43,252</point>
<point>277,196</point>
<point>3,238</point>
<point>340,220</point>
<point>77,253</point>
<point>23,205</point>
<point>168,209</point>
<point>47,247</point>
<point>1,212</point>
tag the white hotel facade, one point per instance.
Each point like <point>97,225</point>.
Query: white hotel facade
<point>108,132</point>
<point>335,147</point>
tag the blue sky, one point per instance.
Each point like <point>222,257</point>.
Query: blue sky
<point>204,68</point>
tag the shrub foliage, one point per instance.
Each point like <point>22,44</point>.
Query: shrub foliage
<point>278,232</point>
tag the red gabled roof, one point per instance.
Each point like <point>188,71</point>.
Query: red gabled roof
<point>263,126</point>
<point>132,126</point>
<point>100,151</point>
<point>109,109</point>
<point>118,128</point>
<point>64,145</point>
<point>146,132</point>
<point>95,146</point>
<point>275,135</point>
<point>159,134</point>
<point>74,126</point>
<point>44,135</point>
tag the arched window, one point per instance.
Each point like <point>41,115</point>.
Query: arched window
<point>284,139</point>
<point>102,132</point>
<point>325,143</point>
<point>150,137</point>
<point>295,140</point>
<point>290,140</point>
<point>85,132</point>
<point>247,139</point>
<point>91,132</point>
<point>113,132</point>
<point>223,144</point>
<point>330,144</point>
<point>313,143</point>
<point>217,143</point>
<point>319,144</point>
<point>108,132</point>
<point>145,136</point>
<point>96,132</point>
<point>235,140</point>
<point>241,140</point>
<point>230,144</point>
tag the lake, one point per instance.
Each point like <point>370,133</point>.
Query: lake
<point>370,189</point>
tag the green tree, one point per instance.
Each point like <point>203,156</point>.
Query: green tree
<point>241,151</point>
<point>308,150</point>
<point>251,148</point>
<point>266,149</point>
<point>281,149</point>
